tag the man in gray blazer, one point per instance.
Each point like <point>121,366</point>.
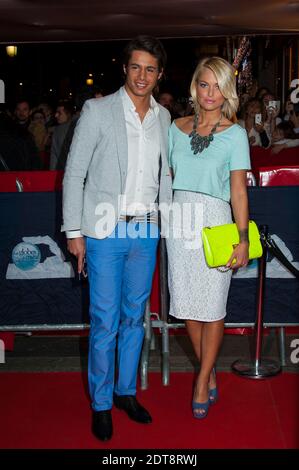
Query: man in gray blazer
<point>116,175</point>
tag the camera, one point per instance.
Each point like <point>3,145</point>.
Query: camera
<point>274,105</point>
<point>258,118</point>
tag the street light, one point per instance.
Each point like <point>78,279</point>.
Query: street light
<point>11,51</point>
<point>89,80</point>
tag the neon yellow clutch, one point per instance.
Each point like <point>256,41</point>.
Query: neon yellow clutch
<point>219,242</point>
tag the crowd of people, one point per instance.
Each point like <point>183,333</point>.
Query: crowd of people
<point>266,124</point>
<point>39,137</point>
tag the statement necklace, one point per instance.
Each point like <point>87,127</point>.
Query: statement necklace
<point>199,143</point>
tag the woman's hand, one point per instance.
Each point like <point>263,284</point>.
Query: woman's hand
<point>240,255</point>
<point>275,112</point>
<point>259,128</point>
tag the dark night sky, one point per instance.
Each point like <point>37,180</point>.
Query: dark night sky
<point>64,67</point>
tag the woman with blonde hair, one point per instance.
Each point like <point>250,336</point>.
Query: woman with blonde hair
<point>209,156</point>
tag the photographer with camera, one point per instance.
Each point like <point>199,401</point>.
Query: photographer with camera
<point>253,123</point>
<point>271,113</point>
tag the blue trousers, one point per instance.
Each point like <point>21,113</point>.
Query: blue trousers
<point>120,270</point>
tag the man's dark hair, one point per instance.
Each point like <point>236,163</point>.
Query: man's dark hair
<point>288,129</point>
<point>67,105</point>
<point>23,99</point>
<point>148,44</point>
<point>84,94</point>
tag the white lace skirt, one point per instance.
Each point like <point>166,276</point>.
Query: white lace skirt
<point>197,292</point>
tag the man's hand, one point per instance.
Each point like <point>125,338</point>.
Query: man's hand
<point>76,246</point>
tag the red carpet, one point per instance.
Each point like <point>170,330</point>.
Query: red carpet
<point>51,410</point>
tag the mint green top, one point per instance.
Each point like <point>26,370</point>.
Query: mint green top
<point>209,171</point>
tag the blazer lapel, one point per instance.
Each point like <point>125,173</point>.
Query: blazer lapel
<point>120,136</point>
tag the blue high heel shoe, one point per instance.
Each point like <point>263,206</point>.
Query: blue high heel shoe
<point>200,406</point>
<point>213,392</point>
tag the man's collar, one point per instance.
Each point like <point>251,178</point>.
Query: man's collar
<point>128,103</point>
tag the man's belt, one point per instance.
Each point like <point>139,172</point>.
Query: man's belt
<point>149,217</point>
<point>136,218</point>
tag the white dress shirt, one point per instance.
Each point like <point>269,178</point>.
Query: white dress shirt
<point>144,150</point>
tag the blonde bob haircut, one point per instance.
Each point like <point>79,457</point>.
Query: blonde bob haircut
<point>226,79</point>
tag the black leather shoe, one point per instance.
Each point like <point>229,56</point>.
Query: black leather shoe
<point>134,410</point>
<point>102,425</point>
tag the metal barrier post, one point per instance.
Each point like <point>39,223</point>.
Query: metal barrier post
<point>258,369</point>
<point>282,345</point>
<point>165,355</point>
<point>144,360</point>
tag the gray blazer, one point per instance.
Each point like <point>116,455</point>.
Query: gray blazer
<point>96,169</point>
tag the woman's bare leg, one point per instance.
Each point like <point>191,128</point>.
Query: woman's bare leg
<point>194,330</point>
<point>206,339</point>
